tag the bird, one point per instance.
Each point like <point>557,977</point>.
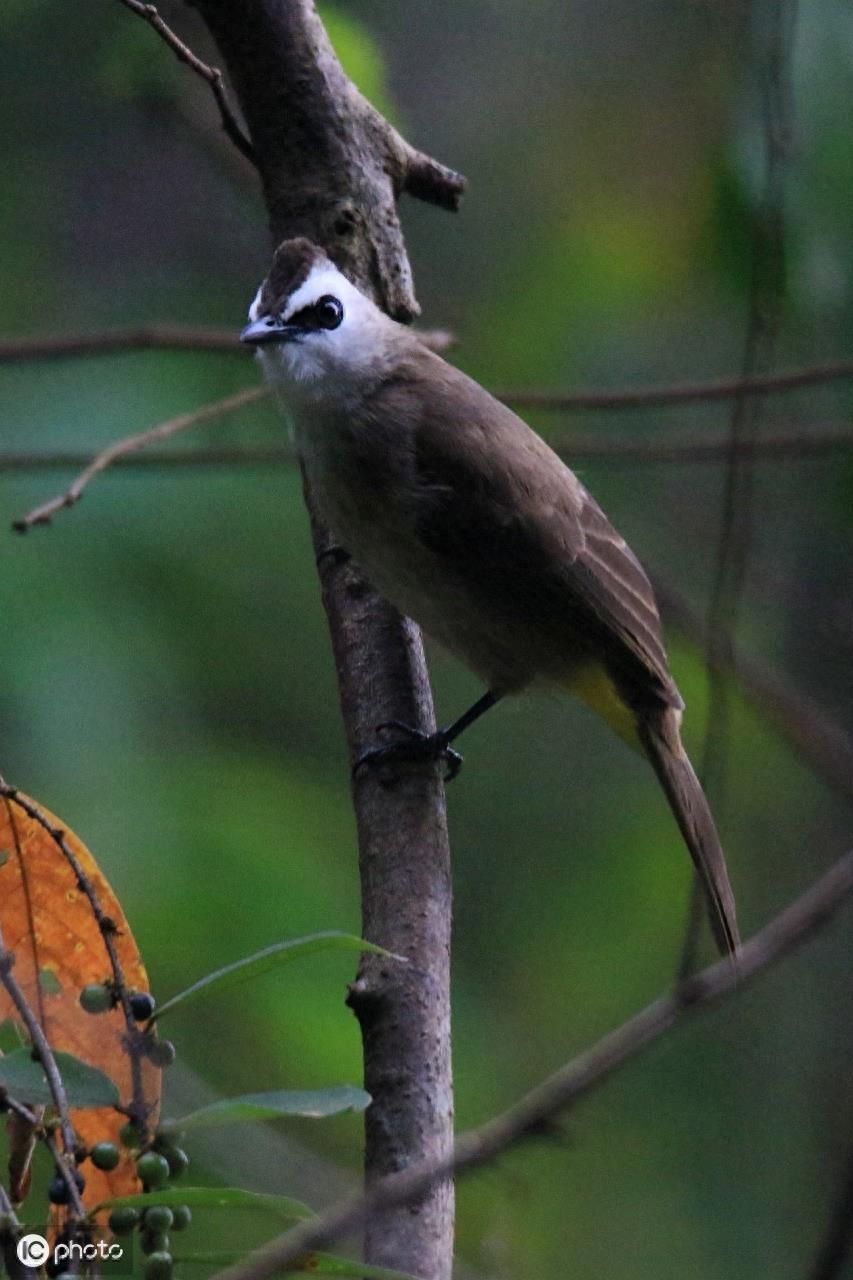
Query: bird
<point>469,523</point>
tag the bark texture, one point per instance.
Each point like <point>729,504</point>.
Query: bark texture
<point>333,169</point>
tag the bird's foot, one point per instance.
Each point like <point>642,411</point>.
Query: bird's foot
<point>413,747</point>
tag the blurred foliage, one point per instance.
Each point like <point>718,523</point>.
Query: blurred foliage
<point>167,681</point>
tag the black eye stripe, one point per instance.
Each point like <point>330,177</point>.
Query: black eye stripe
<point>325,313</point>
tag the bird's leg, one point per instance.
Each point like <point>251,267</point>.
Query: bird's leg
<point>414,746</point>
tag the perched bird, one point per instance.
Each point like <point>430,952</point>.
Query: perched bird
<point>469,523</point>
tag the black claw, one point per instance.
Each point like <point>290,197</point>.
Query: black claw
<point>414,747</point>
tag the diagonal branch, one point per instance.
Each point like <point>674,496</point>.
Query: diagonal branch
<point>536,1111</point>
<point>212,75</point>
<point>131,444</point>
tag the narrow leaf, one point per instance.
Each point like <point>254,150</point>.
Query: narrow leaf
<point>85,1086</point>
<point>313,1103</point>
<point>212,1198</point>
<point>273,957</point>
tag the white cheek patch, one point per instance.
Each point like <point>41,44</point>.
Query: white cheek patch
<point>255,308</point>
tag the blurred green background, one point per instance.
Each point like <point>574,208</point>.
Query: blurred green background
<point>167,680</point>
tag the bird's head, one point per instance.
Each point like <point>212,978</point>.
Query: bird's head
<point>312,327</point>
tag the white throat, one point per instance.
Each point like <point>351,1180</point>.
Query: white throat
<point>331,366</point>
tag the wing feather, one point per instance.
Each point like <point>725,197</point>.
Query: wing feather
<point>513,523</point>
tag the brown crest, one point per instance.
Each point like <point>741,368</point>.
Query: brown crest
<point>291,264</point>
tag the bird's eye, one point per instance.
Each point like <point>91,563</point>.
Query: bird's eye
<point>328,312</point>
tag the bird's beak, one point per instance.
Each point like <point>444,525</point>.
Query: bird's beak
<point>268,329</point>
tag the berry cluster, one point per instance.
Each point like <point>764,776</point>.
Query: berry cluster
<point>100,997</point>
<point>158,1160</point>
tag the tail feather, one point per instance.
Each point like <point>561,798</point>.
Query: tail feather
<point>661,740</point>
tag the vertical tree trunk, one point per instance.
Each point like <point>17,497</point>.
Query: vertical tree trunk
<point>332,169</point>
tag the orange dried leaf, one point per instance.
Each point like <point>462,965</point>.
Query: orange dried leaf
<point>48,923</point>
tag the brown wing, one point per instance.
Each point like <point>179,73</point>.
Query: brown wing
<point>503,509</point>
<point>615,587</point>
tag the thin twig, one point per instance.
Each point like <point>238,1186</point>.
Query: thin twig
<point>212,75</point>
<point>173,337</point>
<point>153,337</point>
<point>766,296</point>
<point>135,1039</point>
<point>659,397</point>
<point>781,446</point>
<point>66,1163</point>
<point>120,448</point>
<point>10,1233</point>
<point>534,1113</point>
<point>6,1206</point>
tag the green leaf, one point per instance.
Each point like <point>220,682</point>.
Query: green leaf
<point>10,1036</point>
<point>272,958</point>
<point>85,1086</point>
<point>313,1103</point>
<point>213,1198</point>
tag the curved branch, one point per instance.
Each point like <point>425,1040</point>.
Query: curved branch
<point>535,1113</point>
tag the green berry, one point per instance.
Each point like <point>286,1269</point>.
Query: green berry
<point>159,1266</point>
<point>177,1160</point>
<point>105,1155</point>
<point>130,1136</point>
<point>153,1170</point>
<point>158,1218</point>
<point>122,1221</point>
<point>162,1053</point>
<point>182,1217</point>
<point>155,1242</point>
<point>142,1005</point>
<point>96,998</point>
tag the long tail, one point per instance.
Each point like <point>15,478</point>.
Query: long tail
<point>660,737</point>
